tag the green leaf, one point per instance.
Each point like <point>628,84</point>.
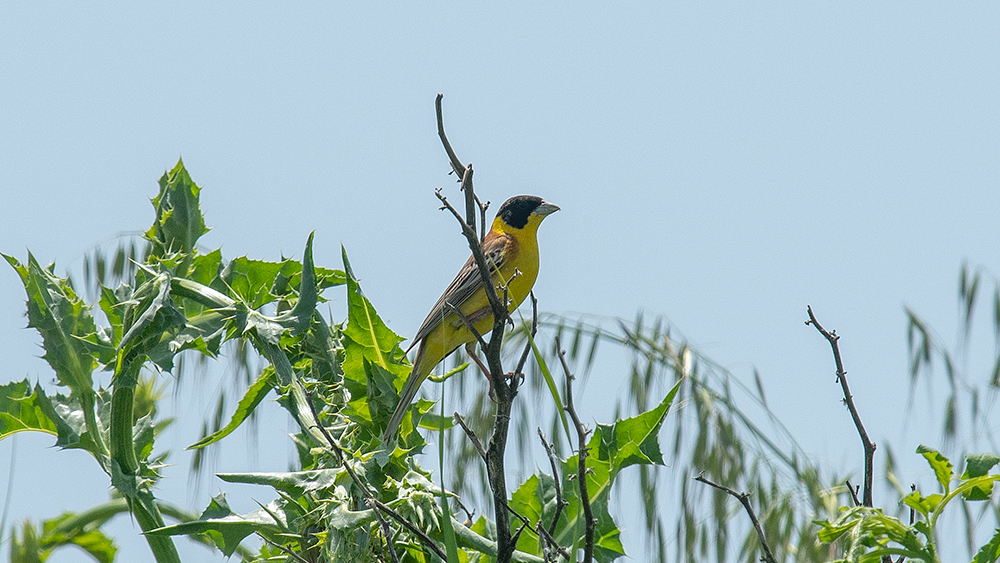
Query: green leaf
<point>298,318</point>
<point>252,280</point>
<point>254,395</point>
<point>381,396</point>
<point>367,336</point>
<point>295,483</point>
<point>205,268</point>
<point>226,528</point>
<point>943,469</point>
<point>979,465</point>
<point>89,538</point>
<point>20,410</point>
<point>634,440</point>
<point>830,532</point>
<point>62,319</point>
<point>989,552</point>
<point>179,222</point>
<point>923,505</point>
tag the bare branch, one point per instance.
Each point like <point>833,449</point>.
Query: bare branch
<point>504,392</point>
<point>470,198</point>
<point>472,435</point>
<point>581,466</point>
<point>854,492</point>
<point>540,531</point>
<point>282,548</point>
<point>744,498</point>
<point>482,217</point>
<point>468,324</point>
<point>477,253</point>
<point>561,503</point>
<point>456,164</point>
<point>869,446</point>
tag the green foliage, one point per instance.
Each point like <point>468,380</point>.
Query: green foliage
<point>868,534</point>
<point>338,381</point>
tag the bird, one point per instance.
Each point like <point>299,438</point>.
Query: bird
<point>511,252</point>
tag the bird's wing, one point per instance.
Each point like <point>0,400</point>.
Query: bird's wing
<point>466,283</point>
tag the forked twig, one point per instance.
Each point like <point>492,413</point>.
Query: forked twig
<point>744,499</point>
<point>506,542</point>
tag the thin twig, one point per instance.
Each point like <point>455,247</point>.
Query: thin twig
<point>470,197</point>
<point>869,446</point>
<point>561,503</point>
<point>477,253</point>
<point>472,435</point>
<point>581,465</point>
<point>456,164</point>
<point>482,217</point>
<point>376,503</point>
<point>283,549</point>
<point>534,330</point>
<point>468,324</point>
<point>543,534</point>
<point>386,531</point>
<point>854,493</point>
<point>744,498</point>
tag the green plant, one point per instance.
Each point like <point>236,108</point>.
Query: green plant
<point>352,499</point>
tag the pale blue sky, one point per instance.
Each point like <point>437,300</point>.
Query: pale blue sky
<point>720,164</point>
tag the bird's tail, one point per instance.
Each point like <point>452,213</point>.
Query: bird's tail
<point>405,398</point>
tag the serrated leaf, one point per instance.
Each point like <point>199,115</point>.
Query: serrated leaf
<point>381,395</point>
<point>634,440</point>
<point>294,483</point>
<point>252,280</point>
<point>943,469</point>
<point>254,395</point>
<point>367,336</point>
<point>62,319</point>
<point>979,465</point>
<point>20,410</point>
<point>179,222</point>
<point>88,538</point>
<point>989,552</point>
<point>226,528</point>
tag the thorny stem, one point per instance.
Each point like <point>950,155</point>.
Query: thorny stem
<point>869,446</point>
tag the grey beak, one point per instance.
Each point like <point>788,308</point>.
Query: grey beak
<point>546,208</point>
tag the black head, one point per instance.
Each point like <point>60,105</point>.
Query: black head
<point>515,211</point>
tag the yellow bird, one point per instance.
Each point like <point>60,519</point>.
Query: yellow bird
<point>511,251</point>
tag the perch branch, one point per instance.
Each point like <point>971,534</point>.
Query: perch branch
<point>504,392</point>
<point>832,338</point>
